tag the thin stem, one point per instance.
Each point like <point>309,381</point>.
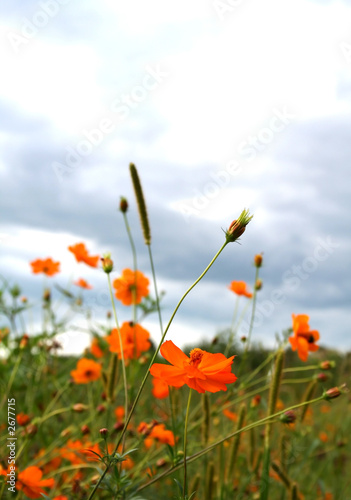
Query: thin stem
<point>161,342</point>
<point>200,453</point>
<point>232,330</point>
<point>122,351</point>
<point>155,288</point>
<point>185,485</point>
<point>12,378</point>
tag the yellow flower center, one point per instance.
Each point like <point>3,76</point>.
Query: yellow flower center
<point>196,356</point>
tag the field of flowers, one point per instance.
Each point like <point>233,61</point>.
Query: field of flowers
<point>128,419</point>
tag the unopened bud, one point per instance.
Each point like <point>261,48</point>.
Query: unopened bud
<point>288,417</point>
<point>123,205</point>
<point>79,407</point>
<point>24,341</point>
<point>100,409</point>
<point>107,263</point>
<point>322,377</point>
<point>238,226</point>
<point>46,295</point>
<point>258,260</point>
<point>85,429</point>
<point>104,432</point>
<point>332,393</point>
<point>326,365</point>
<point>258,284</point>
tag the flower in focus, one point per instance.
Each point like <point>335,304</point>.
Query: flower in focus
<point>201,371</point>
<point>83,284</point>
<point>135,340</point>
<point>131,284</point>
<point>240,288</point>
<point>87,371</point>
<point>81,254</point>
<point>31,483</point>
<point>47,266</point>
<point>303,339</point>
<point>160,388</point>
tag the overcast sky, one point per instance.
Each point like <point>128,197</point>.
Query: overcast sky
<point>222,105</point>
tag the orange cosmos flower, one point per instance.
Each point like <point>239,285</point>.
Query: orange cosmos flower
<point>81,254</point>
<point>23,419</point>
<point>31,483</point>
<point>47,266</point>
<point>230,414</point>
<point>160,388</point>
<point>87,371</point>
<point>240,288</point>
<point>131,283</point>
<point>95,348</point>
<point>119,412</point>
<point>203,371</point>
<point>135,340</point>
<point>83,284</point>
<point>303,339</point>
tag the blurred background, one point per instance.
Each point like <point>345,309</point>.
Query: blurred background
<point>222,105</point>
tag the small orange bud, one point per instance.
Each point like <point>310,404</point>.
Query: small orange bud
<point>85,430</point>
<point>258,260</point>
<point>255,400</point>
<point>322,377</point>
<point>24,341</point>
<point>238,226</point>
<point>107,263</point>
<point>258,284</point>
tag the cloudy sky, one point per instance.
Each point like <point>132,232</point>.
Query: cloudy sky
<point>222,105</point>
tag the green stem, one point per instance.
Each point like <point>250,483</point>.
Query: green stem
<point>155,288</point>
<point>122,351</point>
<point>12,378</point>
<point>232,330</point>
<point>199,454</point>
<point>185,485</point>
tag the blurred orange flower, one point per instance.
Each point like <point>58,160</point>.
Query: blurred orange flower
<point>131,283</point>
<point>119,412</point>
<point>47,266</point>
<point>95,348</point>
<point>240,288</point>
<point>81,254</point>
<point>83,284</point>
<point>31,483</point>
<point>303,339</point>
<point>22,419</point>
<point>135,340</point>
<point>87,371</point>
<point>160,388</point>
<point>203,371</point>
<point>230,414</point>
<point>74,451</point>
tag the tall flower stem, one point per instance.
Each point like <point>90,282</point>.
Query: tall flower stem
<point>122,352</point>
<point>155,288</point>
<point>185,484</point>
<point>161,342</point>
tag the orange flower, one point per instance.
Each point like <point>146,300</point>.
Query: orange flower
<point>61,497</point>
<point>119,412</point>
<point>240,288</point>
<point>203,371</point>
<point>160,388</point>
<point>131,283</point>
<point>87,371</point>
<point>47,266</point>
<point>30,482</point>
<point>162,435</point>
<point>230,414</point>
<point>81,254</point>
<point>74,451</point>
<point>323,436</point>
<point>95,348</point>
<point>135,340</point>
<point>303,339</point>
<point>83,284</point>
<point>22,419</point>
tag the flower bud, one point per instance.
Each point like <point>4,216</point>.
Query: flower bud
<point>46,295</point>
<point>79,407</point>
<point>123,205</point>
<point>85,430</point>
<point>107,263</point>
<point>24,341</point>
<point>258,284</point>
<point>326,365</point>
<point>288,417</point>
<point>100,409</point>
<point>322,377</point>
<point>238,226</point>
<point>258,260</point>
<point>104,432</point>
<point>332,393</point>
